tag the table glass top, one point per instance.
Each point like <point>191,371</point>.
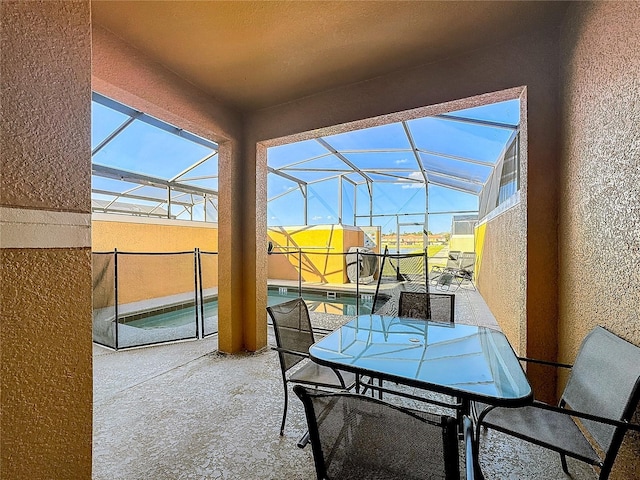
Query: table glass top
<point>475,362</point>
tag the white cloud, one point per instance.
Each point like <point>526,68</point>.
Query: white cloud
<point>416,176</point>
<point>401,161</point>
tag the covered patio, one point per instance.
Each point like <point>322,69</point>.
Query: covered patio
<point>559,258</point>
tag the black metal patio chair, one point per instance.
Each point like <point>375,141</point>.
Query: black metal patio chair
<point>466,267</point>
<point>459,269</point>
<point>437,307</point>
<point>599,400</point>
<point>294,336</point>
<point>359,437</point>
<point>407,273</point>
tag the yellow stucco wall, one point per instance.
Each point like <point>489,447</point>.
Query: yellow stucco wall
<point>462,243</point>
<point>45,260</point>
<point>478,246</point>
<point>500,272</point>
<point>142,277</point>
<point>326,266</point>
<point>132,234</point>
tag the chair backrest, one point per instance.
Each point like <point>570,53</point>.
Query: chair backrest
<point>604,381</point>
<point>453,259</point>
<point>437,307</point>
<point>356,436</point>
<point>292,327</point>
<point>467,261</point>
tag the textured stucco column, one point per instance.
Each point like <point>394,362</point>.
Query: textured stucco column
<point>599,239</point>
<point>45,290</point>
<point>236,303</point>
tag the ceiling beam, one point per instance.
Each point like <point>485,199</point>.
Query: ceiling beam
<point>414,150</point>
<point>142,179</point>
<point>195,165</point>
<point>284,175</point>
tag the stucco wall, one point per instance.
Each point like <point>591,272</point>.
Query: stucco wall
<point>462,243</point>
<point>325,266</point>
<point>45,264</point>
<point>529,61</point>
<point>599,246</point>
<point>500,268</point>
<point>130,234</point>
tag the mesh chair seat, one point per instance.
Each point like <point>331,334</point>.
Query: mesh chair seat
<point>359,437</point>
<point>313,374</point>
<point>543,428</point>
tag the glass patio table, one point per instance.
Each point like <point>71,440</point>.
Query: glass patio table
<point>470,362</point>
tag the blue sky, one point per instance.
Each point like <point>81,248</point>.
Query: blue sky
<point>441,140</point>
<point>145,149</point>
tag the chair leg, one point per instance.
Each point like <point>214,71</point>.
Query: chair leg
<point>304,440</point>
<point>284,413</point>
<point>463,408</point>
<point>563,460</point>
<point>476,455</point>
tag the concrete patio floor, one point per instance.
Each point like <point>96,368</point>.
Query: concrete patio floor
<point>184,411</point>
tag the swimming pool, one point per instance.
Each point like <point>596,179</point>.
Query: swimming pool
<point>337,303</point>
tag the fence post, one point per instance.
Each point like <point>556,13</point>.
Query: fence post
<point>195,290</point>
<point>426,269</point>
<point>115,287</point>
<point>300,272</point>
<point>357,281</point>
<point>201,294</point>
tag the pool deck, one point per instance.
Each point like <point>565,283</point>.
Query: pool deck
<point>186,411</point>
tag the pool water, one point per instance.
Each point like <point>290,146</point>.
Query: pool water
<point>343,304</point>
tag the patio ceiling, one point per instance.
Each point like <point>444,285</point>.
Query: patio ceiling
<point>252,55</point>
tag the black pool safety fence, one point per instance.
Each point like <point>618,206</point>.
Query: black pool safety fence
<point>147,298</point>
